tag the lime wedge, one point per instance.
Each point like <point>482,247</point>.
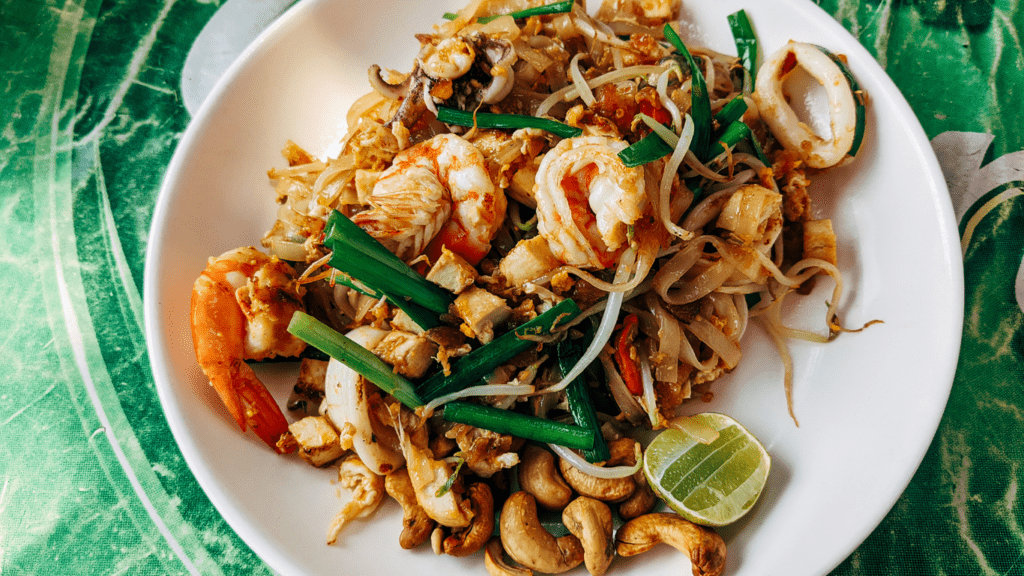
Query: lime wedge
<point>709,484</point>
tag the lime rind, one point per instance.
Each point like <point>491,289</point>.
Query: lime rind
<point>709,484</point>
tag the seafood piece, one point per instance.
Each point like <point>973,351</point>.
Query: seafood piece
<point>365,490</point>
<point>429,478</point>
<point>586,200</point>
<point>347,403</point>
<point>438,193</point>
<point>240,309</point>
<point>795,135</point>
<point>449,59</point>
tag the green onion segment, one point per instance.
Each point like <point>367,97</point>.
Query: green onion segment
<point>484,360</point>
<point>700,101</point>
<point>345,350</point>
<point>520,425</point>
<point>505,121</point>
<point>580,404</point>
<point>746,41</point>
<point>554,8</point>
<point>858,100</point>
<point>362,257</point>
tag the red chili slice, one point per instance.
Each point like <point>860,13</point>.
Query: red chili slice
<point>628,367</point>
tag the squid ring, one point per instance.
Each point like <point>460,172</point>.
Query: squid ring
<point>793,134</point>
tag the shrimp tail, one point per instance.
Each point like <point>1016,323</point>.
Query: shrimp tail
<point>250,403</point>
<point>261,412</point>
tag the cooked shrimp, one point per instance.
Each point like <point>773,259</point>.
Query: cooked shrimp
<point>586,200</point>
<point>437,193</point>
<point>795,135</point>
<point>241,306</point>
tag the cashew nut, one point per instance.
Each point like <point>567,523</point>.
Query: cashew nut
<point>591,521</point>
<point>528,543</point>
<point>605,489</point>
<point>416,524</point>
<point>465,541</point>
<point>705,548</point>
<point>641,502</point>
<point>538,476</point>
<point>495,563</point>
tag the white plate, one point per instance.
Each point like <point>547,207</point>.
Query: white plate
<point>868,403</point>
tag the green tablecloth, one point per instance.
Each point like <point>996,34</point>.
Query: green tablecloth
<point>91,481</point>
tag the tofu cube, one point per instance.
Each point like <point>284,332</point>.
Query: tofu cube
<point>405,323</point>
<point>452,272</point>
<point>312,375</point>
<point>481,311</point>
<point>820,241</point>
<point>528,260</point>
<point>410,354</point>
<point>319,443</point>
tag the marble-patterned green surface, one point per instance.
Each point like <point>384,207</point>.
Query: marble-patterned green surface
<point>91,481</point>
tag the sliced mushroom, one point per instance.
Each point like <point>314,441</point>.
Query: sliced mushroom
<point>703,546</point>
<point>501,57</point>
<point>387,89</point>
<point>591,521</point>
<point>605,489</point>
<point>416,524</point>
<point>465,541</point>
<point>529,544</point>
<point>539,476</point>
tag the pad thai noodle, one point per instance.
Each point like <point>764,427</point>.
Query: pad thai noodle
<point>551,230</point>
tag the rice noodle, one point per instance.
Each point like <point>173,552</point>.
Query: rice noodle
<point>579,84</point>
<point>716,340</point>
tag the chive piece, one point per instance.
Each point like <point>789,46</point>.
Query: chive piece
<point>555,8</point>
<point>732,135</point>
<point>746,41</point>
<point>647,149</point>
<point>663,132</point>
<point>520,425</point>
<point>731,112</point>
<point>342,348</point>
<point>444,488</point>
<point>578,397</point>
<point>505,121</point>
<point>423,318</point>
<point>700,102</point>
<point>858,100</point>
<point>361,256</point>
<point>484,360</point>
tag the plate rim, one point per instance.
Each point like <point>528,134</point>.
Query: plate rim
<point>292,17</point>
